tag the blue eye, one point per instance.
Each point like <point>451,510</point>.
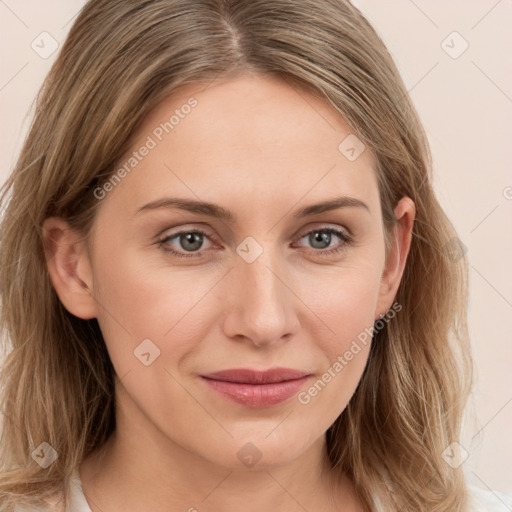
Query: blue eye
<point>324,235</point>
<point>191,241</point>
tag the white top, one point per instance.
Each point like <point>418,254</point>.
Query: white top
<point>483,500</point>
<point>486,500</point>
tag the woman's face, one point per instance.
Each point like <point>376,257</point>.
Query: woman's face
<point>261,279</point>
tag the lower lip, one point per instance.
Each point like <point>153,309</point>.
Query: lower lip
<point>257,395</point>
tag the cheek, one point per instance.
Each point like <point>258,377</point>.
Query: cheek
<point>140,301</point>
<point>347,308</point>
<point>150,319</point>
<point>345,301</point>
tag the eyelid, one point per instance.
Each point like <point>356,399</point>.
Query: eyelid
<point>180,227</point>
<point>324,227</point>
<point>198,228</point>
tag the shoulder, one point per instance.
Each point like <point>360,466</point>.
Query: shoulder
<point>52,505</point>
<point>488,500</point>
<point>77,501</point>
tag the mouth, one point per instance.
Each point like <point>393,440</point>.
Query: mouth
<point>254,388</point>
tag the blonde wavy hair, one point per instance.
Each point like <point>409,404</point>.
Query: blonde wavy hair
<point>120,59</point>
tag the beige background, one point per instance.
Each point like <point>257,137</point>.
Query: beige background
<point>465,104</point>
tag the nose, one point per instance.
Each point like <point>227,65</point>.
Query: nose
<point>262,307</point>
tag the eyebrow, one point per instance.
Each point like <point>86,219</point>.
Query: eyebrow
<point>217,211</point>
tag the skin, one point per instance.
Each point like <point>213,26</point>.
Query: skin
<point>261,149</point>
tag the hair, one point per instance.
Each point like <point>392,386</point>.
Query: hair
<point>121,59</point>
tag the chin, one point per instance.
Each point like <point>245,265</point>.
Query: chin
<point>257,453</point>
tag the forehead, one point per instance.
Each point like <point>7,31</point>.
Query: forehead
<point>248,141</point>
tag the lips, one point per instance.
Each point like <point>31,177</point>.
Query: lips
<point>243,376</point>
<point>254,388</point>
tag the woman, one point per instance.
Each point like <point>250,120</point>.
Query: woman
<point>226,278</point>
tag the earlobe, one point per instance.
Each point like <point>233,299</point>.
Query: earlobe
<point>405,212</point>
<point>69,267</point>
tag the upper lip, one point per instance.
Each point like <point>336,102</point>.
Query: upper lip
<point>249,376</point>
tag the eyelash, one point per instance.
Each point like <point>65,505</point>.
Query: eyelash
<point>346,242</point>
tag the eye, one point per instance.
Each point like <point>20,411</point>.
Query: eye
<point>190,241</point>
<point>322,238</point>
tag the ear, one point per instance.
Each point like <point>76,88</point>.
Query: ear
<point>405,212</point>
<point>69,267</point>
